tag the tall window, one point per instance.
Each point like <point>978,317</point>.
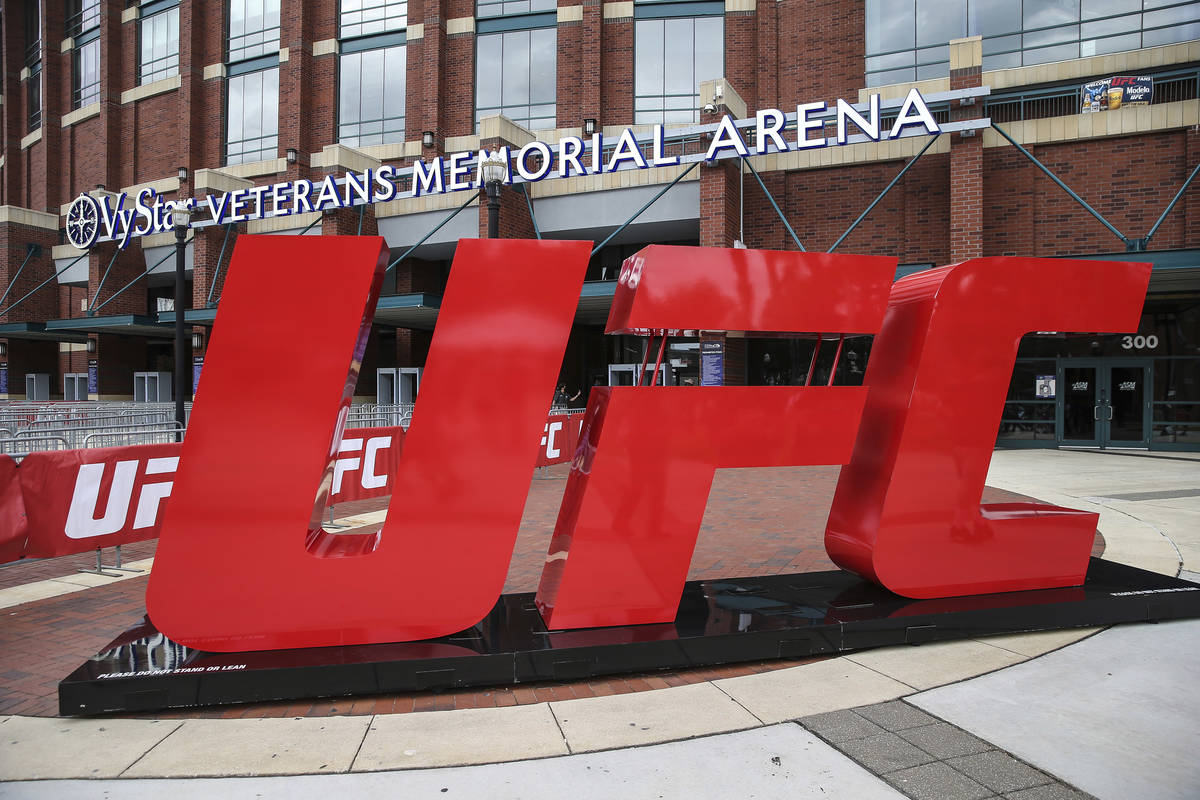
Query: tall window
<point>253,29</point>
<point>516,62</point>
<point>83,26</point>
<point>372,71</point>
<point>908,39</point>
<point>33,60</point>
<point>159,31</point>
<point>252,90</point>
<point>673,54</point>
<point>252,133</point>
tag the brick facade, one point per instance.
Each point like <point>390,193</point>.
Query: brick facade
<point>973,200</point>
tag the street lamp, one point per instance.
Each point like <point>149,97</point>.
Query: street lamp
<point>181,216</point>
<point>494,172</point>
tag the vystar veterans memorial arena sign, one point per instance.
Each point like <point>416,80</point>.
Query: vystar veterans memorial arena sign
<point>122,218</point>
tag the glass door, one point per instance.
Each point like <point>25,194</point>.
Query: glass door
<point>1127,412</point>
<point>1105,403</point>
<point>1080,404</point>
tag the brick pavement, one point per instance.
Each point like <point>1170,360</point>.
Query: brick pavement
<point>757,522</point>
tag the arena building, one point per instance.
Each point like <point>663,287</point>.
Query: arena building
<point>246,101</point>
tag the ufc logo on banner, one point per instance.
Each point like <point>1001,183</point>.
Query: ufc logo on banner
<point>916,438</point>
<point>83,520</point>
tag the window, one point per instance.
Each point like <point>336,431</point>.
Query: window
<point>84,16</point>
<point>372,71</point>
<point>366,17</point>
<point>253,29</point>
<point>515,75</point>
<point>33,60</point>
<point>371,97</point>
<point>83,26</point>
<point>908,39</point>
<point>33,95</point>
<point>252,124</point>
<point>499,8</point>
<point>86,74</point>
<point>159,29</point>
<point>673,54</point>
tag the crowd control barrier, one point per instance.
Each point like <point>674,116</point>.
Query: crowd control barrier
<point>62,502</point>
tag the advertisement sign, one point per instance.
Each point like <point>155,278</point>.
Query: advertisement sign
<point>712,364</point>
<point>3,378</point>
<point>1044,387</point>
<point>93,376</point>
<point>559,438</point>
<point>197,364</point>
<point>1110,94</point>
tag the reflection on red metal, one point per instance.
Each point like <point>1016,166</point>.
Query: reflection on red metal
<point>906,513</point>
<point>637,490</point>
<point>458,493</point>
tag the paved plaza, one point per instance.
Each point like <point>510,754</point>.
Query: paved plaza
<point>1058,714</point>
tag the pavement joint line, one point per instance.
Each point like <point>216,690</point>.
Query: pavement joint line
<point>850,657</point>
<point>168,735</point>
<point>361,742</point>
<point>1100,501</point>
<point>561,732</point>
<point>739,703</point>
<point>1095,631</point>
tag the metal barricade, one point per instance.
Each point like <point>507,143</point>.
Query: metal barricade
<point>19,448</point>
<point>121,436</point>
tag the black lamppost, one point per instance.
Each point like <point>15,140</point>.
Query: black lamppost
<point>494,172</point>
<point>181,215</point>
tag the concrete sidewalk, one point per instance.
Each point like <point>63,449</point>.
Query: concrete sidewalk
<point>721,737</point>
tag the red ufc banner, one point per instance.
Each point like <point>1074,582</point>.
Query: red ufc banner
<point>13,525</point>
<point>916,437</point>
<point>366,459</point>
<point>558,439</point>
<point>78,500</point>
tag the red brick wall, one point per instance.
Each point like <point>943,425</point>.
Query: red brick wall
<point>616,65</point>
<point>1128,179</point>
<point>821,45</point>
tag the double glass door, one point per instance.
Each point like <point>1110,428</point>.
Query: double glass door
<point>1104,403</point>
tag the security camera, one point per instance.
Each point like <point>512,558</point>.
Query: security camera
<point>709,108</point>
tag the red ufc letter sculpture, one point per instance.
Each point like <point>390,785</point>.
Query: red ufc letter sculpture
<point>906,513</point>
<point>243,564</point>
<point>644,466</point>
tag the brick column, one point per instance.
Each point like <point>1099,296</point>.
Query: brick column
<point>719,215</point>
<point>616,65</point>
<point>966,156</point>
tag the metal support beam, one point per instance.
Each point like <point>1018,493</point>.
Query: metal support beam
<point>40,285</point>
<point>123,289</point>
<point>1061,185</point>
<point>361,211</point>
<point>529,204</point>
<point>882,194</point>
<point>648,203</point>
<point>1170,205</point>
<point>220,258</point>
<point>434,230</point>
<point>103,280</point>
<point>31,250</point>
<point>774,205</point>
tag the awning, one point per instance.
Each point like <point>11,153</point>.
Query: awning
<point>122,324</point>
<point>191,316</point>
<point>37,331</point>
<point>418,311</point>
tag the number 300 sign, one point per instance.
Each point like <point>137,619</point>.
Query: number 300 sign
<point>1139,342</point>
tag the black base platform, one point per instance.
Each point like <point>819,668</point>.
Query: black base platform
<point>719,622</point>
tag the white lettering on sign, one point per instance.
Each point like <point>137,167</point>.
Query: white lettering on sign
<point>82,522</point>
<point>1128,386</point>
<point>550,431</point>
<point>1139,342</point>
<point>533,162</point>
<point>369,478</point>
<point>1079,386</point>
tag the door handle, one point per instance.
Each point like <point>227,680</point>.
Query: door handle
<point>1096,413</point>
<point>1110,414</point>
